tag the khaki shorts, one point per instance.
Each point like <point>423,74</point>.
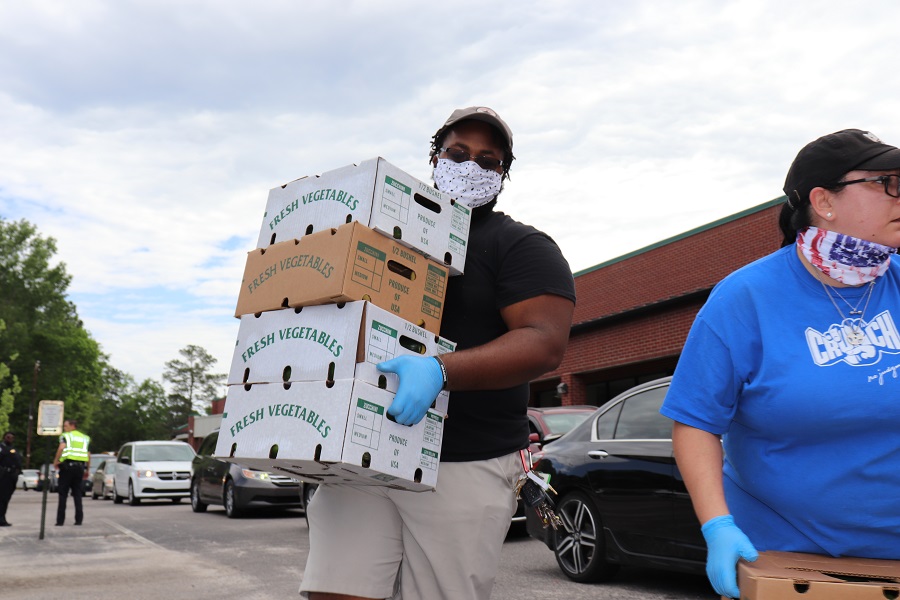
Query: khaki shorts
<point>377,542</point>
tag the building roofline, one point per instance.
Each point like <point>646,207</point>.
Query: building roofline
<point>696,296</point>
<point>739,215</point>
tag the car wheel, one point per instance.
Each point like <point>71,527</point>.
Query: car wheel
<point>197,505</point>
<point>93,494</point>
<point>579,545</point>
<point>117,499</point>
<point>230,501</point>
<point>132,499</point>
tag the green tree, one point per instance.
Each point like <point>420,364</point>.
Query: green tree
<point>8,391</point>
<point>42,324</point>
<point>193,385</point>
<point>129,411</point>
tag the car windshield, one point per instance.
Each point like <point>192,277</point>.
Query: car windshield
<point>96,460</point>
<point>163,453</point>
<point>561,423</point>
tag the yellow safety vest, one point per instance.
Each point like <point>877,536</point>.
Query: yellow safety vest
<point>76,446</point>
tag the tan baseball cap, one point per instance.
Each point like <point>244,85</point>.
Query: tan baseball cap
<point>479,113</point>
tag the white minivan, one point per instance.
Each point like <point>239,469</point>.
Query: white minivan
<point>153,469</point>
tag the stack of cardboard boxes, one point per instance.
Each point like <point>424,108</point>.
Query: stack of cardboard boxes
<point>350,270</point>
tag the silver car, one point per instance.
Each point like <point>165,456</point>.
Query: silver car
<point>103,479</point>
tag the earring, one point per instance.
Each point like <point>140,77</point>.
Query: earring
<point>828,215</point>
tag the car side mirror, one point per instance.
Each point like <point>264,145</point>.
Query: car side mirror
<point>534,438</point>
<point>125,460</point>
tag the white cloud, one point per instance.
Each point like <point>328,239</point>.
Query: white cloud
<point>144,137</point>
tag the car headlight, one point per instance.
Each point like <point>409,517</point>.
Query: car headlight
<point>250,474</point>
<point>145,474</point>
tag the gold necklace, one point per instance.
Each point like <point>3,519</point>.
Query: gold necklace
<point>855,335</point>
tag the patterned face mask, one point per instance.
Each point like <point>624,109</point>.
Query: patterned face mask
<point>850,260</point>
<point>466,182</point>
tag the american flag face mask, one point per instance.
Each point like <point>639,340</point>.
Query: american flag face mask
<point>847,259</point>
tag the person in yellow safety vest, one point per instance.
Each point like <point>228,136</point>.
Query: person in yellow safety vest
<point>72,458</point>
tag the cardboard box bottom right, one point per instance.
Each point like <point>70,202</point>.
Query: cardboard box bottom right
<point>798,576</point>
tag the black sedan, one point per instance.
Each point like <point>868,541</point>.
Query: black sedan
<point>237,487</point>
<point>621,497</point>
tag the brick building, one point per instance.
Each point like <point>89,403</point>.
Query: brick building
<point>634,312</point>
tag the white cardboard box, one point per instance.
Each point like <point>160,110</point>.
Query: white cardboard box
<point>378,195</point>
<point>327,342</point>
<point>338,433</point>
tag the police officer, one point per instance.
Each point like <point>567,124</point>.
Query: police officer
<point>72,457</point>
<point>10,467</point>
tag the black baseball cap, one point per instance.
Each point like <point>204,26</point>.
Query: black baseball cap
<point>479,113</point>
<point>823,162</point>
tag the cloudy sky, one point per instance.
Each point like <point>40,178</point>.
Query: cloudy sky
<point>144,135</point>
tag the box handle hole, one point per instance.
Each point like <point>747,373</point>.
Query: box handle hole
<point>427,203</point>
<point>412,345</point>
<point>401,270</point>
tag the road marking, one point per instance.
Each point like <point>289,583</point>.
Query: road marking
<point>132,534</point>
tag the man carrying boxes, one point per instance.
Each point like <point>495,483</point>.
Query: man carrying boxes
<point>509,313</point>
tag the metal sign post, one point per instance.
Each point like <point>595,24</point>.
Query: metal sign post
<point>49,423</point>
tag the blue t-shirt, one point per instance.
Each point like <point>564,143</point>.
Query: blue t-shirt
<point>810,424</point>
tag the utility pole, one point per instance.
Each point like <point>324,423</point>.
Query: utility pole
<point>37,367</point>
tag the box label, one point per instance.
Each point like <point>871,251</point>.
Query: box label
<point>434,425</point>
<point>307,261</point>
<point>461,220</point>
<point>395,200</point>
<point>292,411</point>
<point>312,334</point>
<point>431,307</point>
<point>429,459</point>
<point>340,196</point>
<point>367,424</point>
<point>368,266</point>
<point>382,343</point>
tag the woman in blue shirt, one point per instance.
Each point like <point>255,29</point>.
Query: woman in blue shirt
<point>786,398</point>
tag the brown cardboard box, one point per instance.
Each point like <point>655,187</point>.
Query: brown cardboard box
<point>797,576</point>
<point>349,263</point>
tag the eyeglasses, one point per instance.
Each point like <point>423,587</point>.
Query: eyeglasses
<point>891,183</point>
<point>487,163</point>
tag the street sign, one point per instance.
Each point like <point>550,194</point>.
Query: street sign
<point>50,417</point>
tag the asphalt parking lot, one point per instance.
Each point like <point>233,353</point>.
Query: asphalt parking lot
<point>163,550</point>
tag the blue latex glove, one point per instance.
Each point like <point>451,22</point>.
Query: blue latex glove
<point>725,544</point>
<point>420,382</point>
